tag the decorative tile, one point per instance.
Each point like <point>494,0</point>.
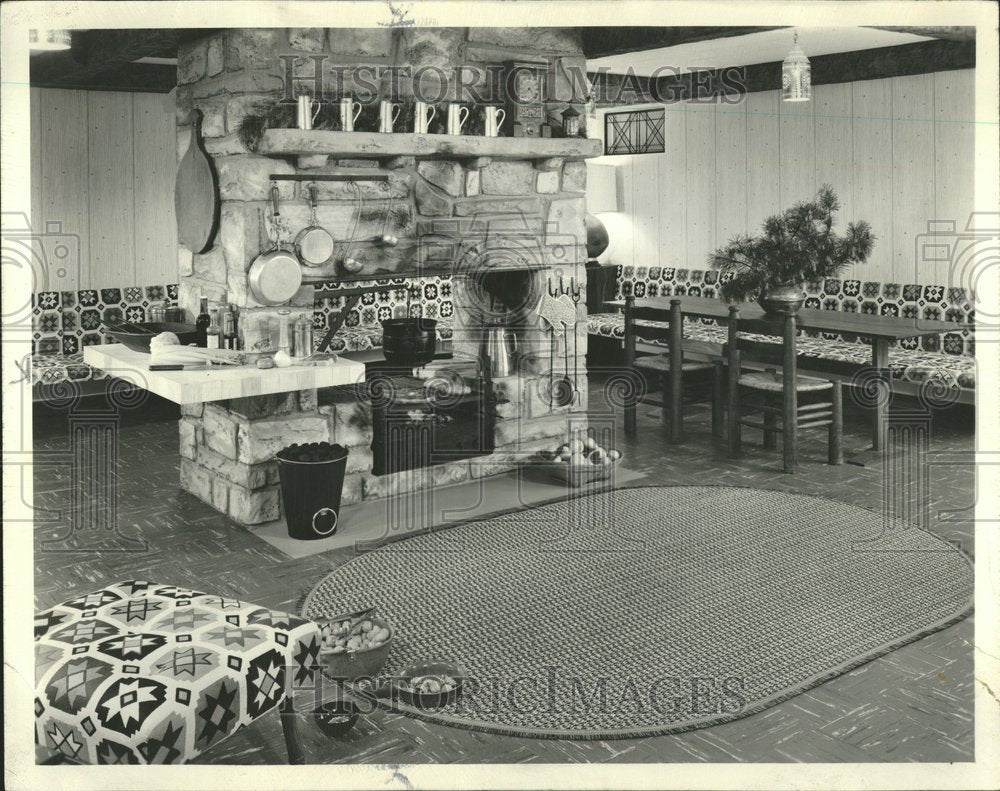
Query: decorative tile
<point>48,300</point>
<point>87,298</point>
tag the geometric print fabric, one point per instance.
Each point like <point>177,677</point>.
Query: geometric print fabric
<point>140,673</point>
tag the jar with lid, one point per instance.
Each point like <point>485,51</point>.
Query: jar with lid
<point>302,338</point>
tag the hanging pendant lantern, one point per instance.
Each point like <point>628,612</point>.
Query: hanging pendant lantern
<point>796,75</point>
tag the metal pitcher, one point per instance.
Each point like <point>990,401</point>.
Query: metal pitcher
<point>500,348</point>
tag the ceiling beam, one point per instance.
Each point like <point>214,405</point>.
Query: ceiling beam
<point>943,33</point>
<point>921,57</point>
<point>599,42</point>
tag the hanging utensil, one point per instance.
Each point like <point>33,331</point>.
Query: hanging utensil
<point>196,193</point>
<point>388,239</point>
<point>576,294</point>
<point>276,275</point>
<point>351,265</point>
<point>314,244</point>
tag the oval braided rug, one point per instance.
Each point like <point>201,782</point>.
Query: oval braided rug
<point>651,610</point>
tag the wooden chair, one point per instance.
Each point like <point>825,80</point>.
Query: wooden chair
<point>777,397</point>
<point>669,371</point>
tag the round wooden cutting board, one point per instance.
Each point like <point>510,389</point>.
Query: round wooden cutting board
<point>196,194</point>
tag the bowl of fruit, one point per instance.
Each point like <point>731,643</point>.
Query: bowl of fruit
<point>354,646</point>
<point>581,460</point>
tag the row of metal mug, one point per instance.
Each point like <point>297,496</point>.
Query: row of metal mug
<point>388,113</point>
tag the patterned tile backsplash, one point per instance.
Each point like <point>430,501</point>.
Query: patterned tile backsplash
<point>907,300</point>
<point>63,322</point>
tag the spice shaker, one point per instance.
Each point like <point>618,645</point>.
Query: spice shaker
<point>302,340</point>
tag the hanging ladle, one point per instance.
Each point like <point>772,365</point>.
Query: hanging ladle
<point>352,265</point>
<point>388,239</point>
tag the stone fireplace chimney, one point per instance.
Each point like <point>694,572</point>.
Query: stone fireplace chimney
<point>502,218</point>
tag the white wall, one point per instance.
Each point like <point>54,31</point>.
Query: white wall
<point>898,153</point>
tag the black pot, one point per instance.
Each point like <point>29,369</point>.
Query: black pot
<point>409,342</point>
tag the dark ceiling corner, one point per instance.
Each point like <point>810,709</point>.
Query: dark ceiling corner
<point>104,60</point>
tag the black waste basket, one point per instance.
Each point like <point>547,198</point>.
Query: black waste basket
<point>312,480</point>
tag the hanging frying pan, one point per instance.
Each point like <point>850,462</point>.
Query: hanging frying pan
<point>275,275</point>
<point>313,244</point>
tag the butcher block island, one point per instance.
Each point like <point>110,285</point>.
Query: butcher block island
<point>219,382</point>
<point>233,421</point>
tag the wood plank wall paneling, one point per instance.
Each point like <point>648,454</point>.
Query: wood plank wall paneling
<point>700,198</point>
<point>730,172</point>
<point>797,150</point>
<point>672,175</point>
<point>103,167</point>
<point>899,152</point>
<point>835,146</point>
<point>155,235</point>
<point>763,163</point>
<point>954,168</point>
<point>63,195</point>
<point>873,173</point>
<point>112,205</point>
<point>913,169</point>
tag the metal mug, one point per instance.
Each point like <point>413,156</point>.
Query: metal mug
<point>423,113</point>
<point>495,117</point>
<point>306,113</point>
<point>349,112</point>
<point>387,115</point>
<point>457,115</point>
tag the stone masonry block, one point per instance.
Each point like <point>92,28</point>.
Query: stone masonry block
<point>307,39</point>
<point>188,442</point>
<point>247,178</point>
<point>445,175</point>
<point>192,59</point>
<point>220,430</point>
<point>575,177</point>
<point>518,432</point>
<point>259,440</point>
<point>254,508</point>
<point>196,480</point>
<point>503,177</point>
<point>215,60</point>
<point>249,476</point>
<point>547,182</point>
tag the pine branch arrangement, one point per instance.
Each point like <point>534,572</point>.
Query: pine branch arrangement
<point>793,247</point>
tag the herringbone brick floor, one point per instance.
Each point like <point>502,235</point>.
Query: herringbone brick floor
<point>915,704</point>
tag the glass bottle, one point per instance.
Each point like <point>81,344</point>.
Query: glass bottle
<point>213,335</point>
<point>201,324</point>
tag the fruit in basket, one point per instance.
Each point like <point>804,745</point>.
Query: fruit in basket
<point>585,452</point>
<point>341,636</point>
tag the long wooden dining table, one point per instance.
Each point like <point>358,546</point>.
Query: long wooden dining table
<point>879,330</point>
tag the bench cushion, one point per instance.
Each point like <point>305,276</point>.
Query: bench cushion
<point>52,369</point>
<point>142,673</point>
<point>908,365</point>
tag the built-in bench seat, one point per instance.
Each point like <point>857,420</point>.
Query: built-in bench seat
<point>947,358</point>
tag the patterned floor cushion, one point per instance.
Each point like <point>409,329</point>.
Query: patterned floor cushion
<point>50,369</point>
<point>141,673</point>
<point>909,365</point>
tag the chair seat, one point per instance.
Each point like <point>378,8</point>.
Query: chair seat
<point>775,383</point>
<point>141,673</point>
<point>661,362</point>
